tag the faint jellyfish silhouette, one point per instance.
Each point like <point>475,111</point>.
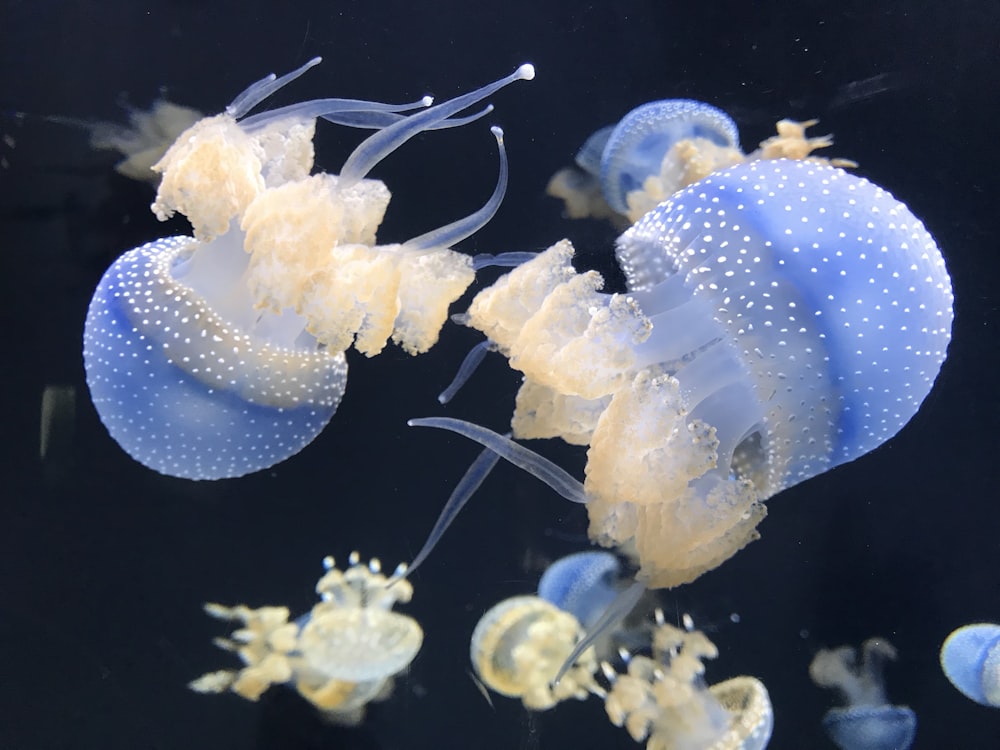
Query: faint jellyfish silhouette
<point>222,354</point>
<point>970,659</point>
<point>868,721</point>
<point>665,700</point>
<point>782,318</point>
<point>339,656</point>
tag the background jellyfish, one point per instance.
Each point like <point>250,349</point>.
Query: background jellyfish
<point>340,656</point>
<point>665,700</point>
<point>867,721</point>
<point>222,354</point>
<point>970,659</point>
<point>659,148</point>
<point>782,318</point>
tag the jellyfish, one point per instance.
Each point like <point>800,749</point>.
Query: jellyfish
<point>782,318</point>
<point>658,148</point>
<point>339,656</point>
<point>970,659</point>
<point>221,354</point>
<point>868,721</point>
<point>583,584</point>
<point>522,644</point>
<point>665,700</point>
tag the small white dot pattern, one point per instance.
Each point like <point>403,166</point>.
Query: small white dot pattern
<point>834,294</point>
<point>184,393</point>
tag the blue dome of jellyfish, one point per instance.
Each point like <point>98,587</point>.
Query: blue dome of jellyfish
<point>970,659</point>
<point>583,584</point>
<point>633,149</point>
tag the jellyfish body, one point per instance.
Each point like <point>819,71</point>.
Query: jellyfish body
<point>519,647</point>
<point>868,721</point>
<point>970,659</point>
<point>664,698</point>
<point>782,318</point>
<point>583,584</point>
<point>635,147</point>
<point>339,656</point>
<point>222,354</point>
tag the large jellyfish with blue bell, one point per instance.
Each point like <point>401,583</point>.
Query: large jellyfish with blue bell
<point>970,659</point>
<point>222,354</point>
<point>781,318</point>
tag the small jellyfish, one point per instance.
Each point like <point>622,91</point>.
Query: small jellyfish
<point>660,147</point>
<point>339,656</point>
<point>782,318</point>
<point>221,354</point>
<point>970,659</point>
<point>583,584</point>
<point>867,722</point>
<point>521,644</point>
<point>665,700</point>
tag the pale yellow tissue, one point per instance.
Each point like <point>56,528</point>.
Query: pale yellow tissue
<point>430,281</point>
<point>581,194</point>
<point>541,412</point>
<point>354,298</point>
<point>210,174</point>
<point>643,456</point>
<point>288,150</point>
<point>501,310</point>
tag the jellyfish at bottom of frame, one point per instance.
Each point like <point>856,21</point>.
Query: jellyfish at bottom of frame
<point>665,698</point>
<point>340,656</point>
<point>221,354</point>
<point>781,318</point>
<point>868,721</point>
<point>970,659</point>
<point>520,645</point>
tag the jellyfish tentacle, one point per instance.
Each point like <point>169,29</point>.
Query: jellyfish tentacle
<point>512,259</point>
<point>524,458</point>
<point>451,234</point>
<point>465,371</point>
<point>382,143</point>
<point>467,486</point>
<point>257,92</point>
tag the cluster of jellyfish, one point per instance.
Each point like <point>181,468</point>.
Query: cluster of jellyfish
<point>781,316</point>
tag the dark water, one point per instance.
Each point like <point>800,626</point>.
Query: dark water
<point>104,564</point>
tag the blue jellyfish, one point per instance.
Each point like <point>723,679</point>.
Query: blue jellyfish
<point>970,659</point>
<point>583,584</point>
<point>868,721</point>
<point>635,147</point>
<point>782,318</point>
<point>221,354</point>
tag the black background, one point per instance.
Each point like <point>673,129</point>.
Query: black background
<point>104,564</point>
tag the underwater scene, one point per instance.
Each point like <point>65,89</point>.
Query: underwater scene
<point>526,375</point>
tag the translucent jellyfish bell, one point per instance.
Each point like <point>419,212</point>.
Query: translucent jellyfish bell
<point>970,659</point>
<point>867,722</point>
<point>637,144</point>
<point>782,318</point>
<point>339,656</point>
<point>522,643</point>
<point>222,354</point>
<point>583,584</point>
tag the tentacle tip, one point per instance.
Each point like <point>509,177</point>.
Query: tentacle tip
<point>526,72</point>
<point>427,101</point>
<point>315,61</point>
<point>497,132</point>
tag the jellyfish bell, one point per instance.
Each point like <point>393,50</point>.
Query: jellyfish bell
<point>970,659</point>
<point>221,354</point>
<point>782,318</point>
